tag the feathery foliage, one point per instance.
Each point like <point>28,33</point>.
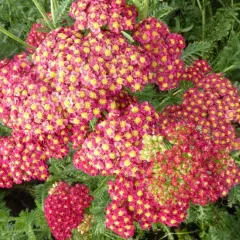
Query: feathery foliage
<point>195,51</point>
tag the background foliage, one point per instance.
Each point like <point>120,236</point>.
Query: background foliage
<point>212,31</point>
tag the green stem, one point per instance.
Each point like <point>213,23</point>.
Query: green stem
<point>9,34</point>
<point>178,91</point>
<point>202,222</point>
<point>146,9</point>
<point>229,68</point>
<point>128,36</point>
<point>43,13</point>
<point>235,18</point>
<point>184,233</point>
<point>168,234</point>
<point>203,12</point>
<point>203,20</point>
<point>9,12</point>
<point>53,11</point>
<point>210,10</point>
<point>102,184</point>
<point>199,5</point>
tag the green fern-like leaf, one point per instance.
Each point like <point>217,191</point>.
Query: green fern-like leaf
<point>161,99</point>
<point>159,10</point>
<point>194,51</point>
<point>227,227</point>
<point>62,11</point>
<point>221,25</point>
<point>234,196</point>
<point>228,59</point>
<point>4,131</point>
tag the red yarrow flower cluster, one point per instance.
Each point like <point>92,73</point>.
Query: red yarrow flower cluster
<point>212,106</point>
<point>119,220</point>
<point>29,108</point>
<point>36,35</point>
<point>192,171</point>
<point>93,14</point>
<point>5,176</point>
<point>164,49</point>
<point>64,208</point>
<point>112,63</point>
<point>24,158</point>
<point>197,71</point>
<point>18,82</point>
<point>58,60</point>
<point>105,60</point>
<point>67,60</point>
<point>75,91</point>
<point>201,167</point>
<point>115,144</point>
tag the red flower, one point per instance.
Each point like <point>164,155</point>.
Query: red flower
<point>64,208</point>
<point>36,35</point>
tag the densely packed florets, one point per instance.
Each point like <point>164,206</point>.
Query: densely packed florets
<point>24,158</point>
<point>36,35</point>
<point>115,144</point>
<point>164,49</point>
<point>17,83</point>
<point>28,107</point>
<point>58,60</point>
<point>119,220</point>
<point>64,208</point>
<point>187,169</point>
<point>105,60</point>
<point>212,106</point>
<point>76,90</point>
<point>94,14</point>
<point>5,176</point>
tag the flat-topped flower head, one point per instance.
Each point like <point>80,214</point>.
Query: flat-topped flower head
<point>212,106</point>
<point>116,15</point>
<point>6,180</point>
<point>184,168</point>
<point>18,82</point>
<point>164,49</point>
<point>58,60</point>
<point>116,143</point>
<point>64,208</point>
<point>25,158</point>
<point>119,220</point>
<point>36,35</point>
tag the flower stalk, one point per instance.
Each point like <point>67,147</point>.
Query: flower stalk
<point>43,13</point>
<point>15,38</point>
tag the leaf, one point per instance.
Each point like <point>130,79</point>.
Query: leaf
<point>62,11</point>
<point>128,36</point>
<point>160,10</point>
<point>54,6</point>
<point>42,11</point>
<point>161,99</point>
<point>41,192</point>
<point>221,25</point>
<point>93,124</point>
<point>228,58</point>
<point>195,50</point>
<point>30,233</point>
<point>15,38</point>
<point>4,131</point>
<point>234,196</point>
